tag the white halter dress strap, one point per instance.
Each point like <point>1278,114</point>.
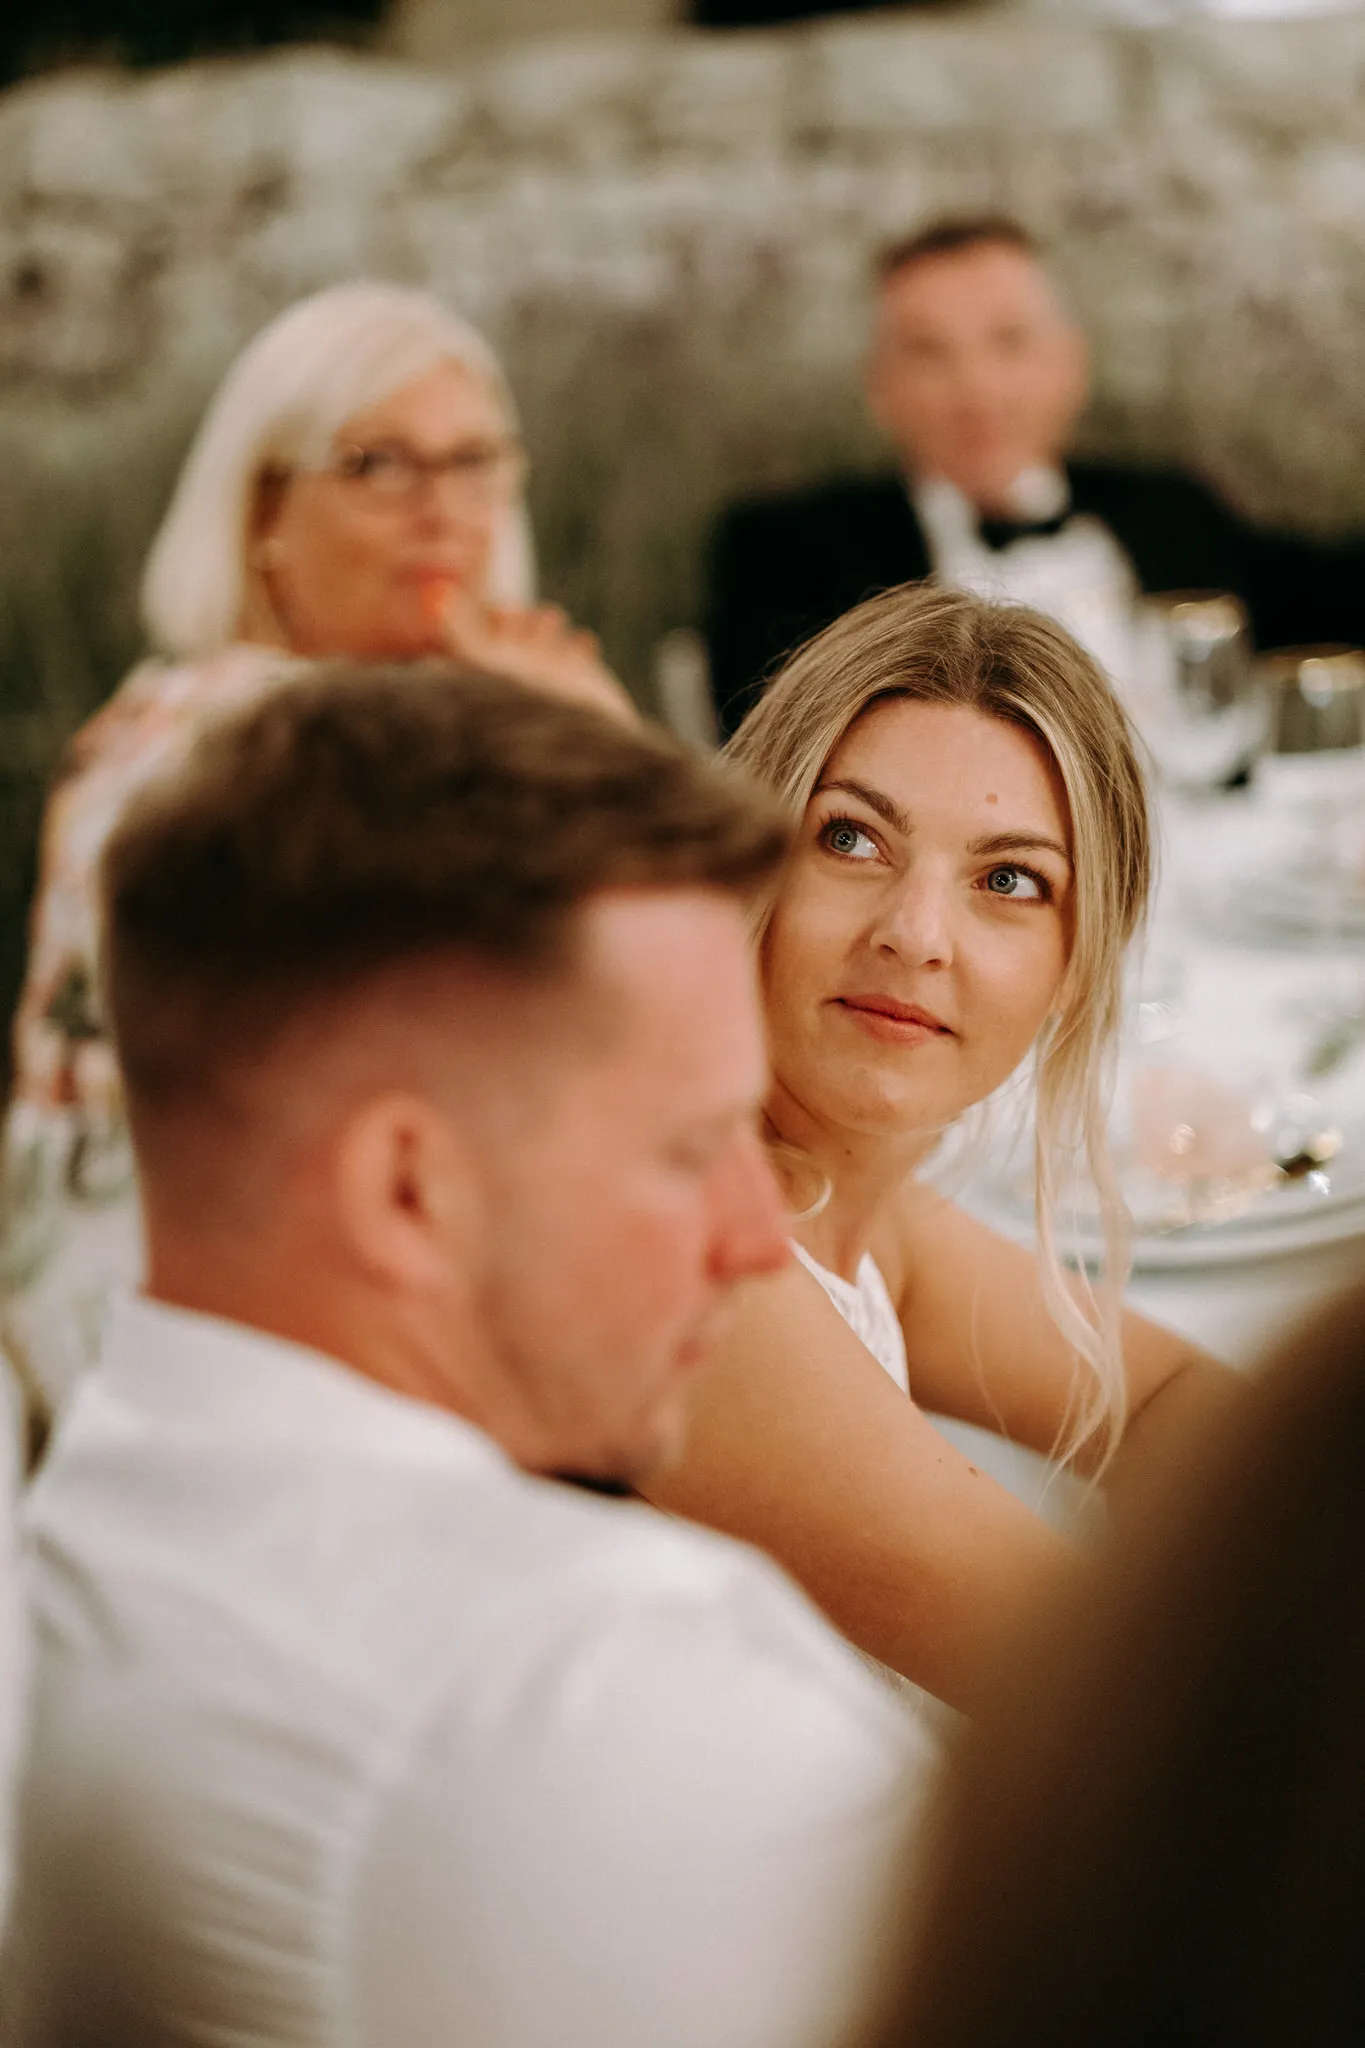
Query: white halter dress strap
<point>866,1306</point>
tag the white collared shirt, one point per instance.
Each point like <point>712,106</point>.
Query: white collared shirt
<point>350,1732</point>
<point>1080,576</point>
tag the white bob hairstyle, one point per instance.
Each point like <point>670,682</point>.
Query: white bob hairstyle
<point>281,404</point>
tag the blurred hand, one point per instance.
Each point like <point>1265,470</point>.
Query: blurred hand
<point>533,644</point>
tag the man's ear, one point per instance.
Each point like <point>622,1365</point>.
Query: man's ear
<point>874,381</point>
<point>409,1198</point>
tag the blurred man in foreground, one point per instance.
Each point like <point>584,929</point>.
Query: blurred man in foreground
<point>977,374</point>
<point>365,1713</point>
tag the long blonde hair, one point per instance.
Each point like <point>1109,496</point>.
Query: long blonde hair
<point>940,646</point>
<point>282,401</point>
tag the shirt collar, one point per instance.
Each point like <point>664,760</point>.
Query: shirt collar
<point>208,1374</point>
<point>1037,493</point>
<point>1040,492</point>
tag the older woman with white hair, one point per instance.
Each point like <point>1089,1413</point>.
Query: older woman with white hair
<point>354,490</point>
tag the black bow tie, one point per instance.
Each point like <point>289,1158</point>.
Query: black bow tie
<point>1002,533</point>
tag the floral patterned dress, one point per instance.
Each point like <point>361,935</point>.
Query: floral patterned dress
<point>68,1211</point>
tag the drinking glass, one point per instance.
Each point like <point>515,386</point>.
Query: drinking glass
<point>1316,699</point>
<point>1201,703</point>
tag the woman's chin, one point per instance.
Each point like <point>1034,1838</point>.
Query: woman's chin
<point>894,1114</point>
<point>896,1096</point>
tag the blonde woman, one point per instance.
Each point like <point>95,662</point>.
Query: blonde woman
<point>355,490</point>
<point>972,858</point>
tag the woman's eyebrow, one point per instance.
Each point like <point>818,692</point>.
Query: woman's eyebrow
<point>1019,842</point>
<point>874,799</point>
<point>1023,841</point>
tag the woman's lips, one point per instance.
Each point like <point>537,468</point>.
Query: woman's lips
<point>899,1023</point>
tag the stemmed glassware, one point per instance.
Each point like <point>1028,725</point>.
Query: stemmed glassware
<point>1196,694</point>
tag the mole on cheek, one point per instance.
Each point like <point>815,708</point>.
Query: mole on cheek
<point>992,798</point>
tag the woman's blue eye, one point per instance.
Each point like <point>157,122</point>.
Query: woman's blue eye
<point>1016,882</point>
<point>842,836</point>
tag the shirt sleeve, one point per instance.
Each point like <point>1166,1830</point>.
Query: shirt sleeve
<point>665,1834</point>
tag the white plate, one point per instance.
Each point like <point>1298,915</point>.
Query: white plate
<point>1249,1238</point>
<point>1294,1216</point>
<point>1198,1244</point>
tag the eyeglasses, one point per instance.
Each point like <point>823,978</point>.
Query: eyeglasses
<point>480,473</point>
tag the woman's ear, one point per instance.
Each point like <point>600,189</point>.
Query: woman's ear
<point>261,617</point>
<point>263,514</point>
<point>408,1197</point>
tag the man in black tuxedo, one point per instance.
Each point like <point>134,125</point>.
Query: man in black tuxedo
<point>978,374</point>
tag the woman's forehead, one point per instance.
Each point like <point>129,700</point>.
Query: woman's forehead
<point>441,402</point>
<point>912,746</point>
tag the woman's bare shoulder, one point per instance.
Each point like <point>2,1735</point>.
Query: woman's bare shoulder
<point>798,1441</point>
<point>784,1315</point>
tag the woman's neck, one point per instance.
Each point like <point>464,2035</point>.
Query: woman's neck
<point>849,1178</point>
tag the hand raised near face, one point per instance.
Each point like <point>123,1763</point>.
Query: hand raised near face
<point>535,644</point>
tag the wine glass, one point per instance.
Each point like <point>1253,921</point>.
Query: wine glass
<point>1200,700</point>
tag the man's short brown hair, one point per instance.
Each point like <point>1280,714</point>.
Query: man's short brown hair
<point>364,817</point>
<point>953,235</point>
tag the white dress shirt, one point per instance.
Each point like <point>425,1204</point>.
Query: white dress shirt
<point>1079,576</point>
<point>349,1732</point>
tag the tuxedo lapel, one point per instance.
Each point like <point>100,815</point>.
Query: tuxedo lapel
<point>1175,533</point>
<point>883,543</point>
<point>782,569</point>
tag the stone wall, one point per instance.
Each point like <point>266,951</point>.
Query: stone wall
<point>437,32</point>
<point>667,237</point>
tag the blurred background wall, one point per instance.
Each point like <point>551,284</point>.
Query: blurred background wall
<point>437,32</point>
<point>666,231</point>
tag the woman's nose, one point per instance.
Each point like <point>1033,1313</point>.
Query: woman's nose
<point>445,502</point>
<point>915,920</point>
